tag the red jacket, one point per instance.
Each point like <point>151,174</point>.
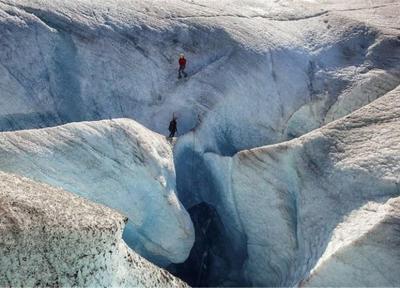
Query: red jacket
<point>182,62</point>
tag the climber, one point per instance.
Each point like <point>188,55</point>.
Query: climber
<point>172,127</point>
<point>182,66</point>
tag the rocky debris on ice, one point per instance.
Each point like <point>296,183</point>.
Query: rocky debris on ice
<point>118,163</point>
<point>49,237</point>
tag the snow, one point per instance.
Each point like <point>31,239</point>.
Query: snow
<point>118,163</point>
<point>50,237</point>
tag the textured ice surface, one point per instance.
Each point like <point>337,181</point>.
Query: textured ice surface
<point>50,237</point>
<point>325,197</point>
<point>118,163</point>
<point>363,250</point>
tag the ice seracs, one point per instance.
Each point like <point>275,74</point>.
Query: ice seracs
<point>118,163</point>
<point>50,237</point>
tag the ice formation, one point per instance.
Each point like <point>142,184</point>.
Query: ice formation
<point>304,63</point>
<point>261,73</point>
<point>118,163</point>
<point>306,198</point>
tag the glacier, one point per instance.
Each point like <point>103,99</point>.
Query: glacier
<point>277,163</point>
<point>118,163</point>
<point>50,237</point>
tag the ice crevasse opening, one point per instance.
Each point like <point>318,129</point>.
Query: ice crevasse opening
<point>260,74</point>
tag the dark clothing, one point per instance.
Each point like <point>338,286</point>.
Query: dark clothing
<point>182,66</point>
<point>182,71</point>
<point>172,128</point>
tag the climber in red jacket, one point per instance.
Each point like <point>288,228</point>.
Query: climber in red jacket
<point>182,66</point>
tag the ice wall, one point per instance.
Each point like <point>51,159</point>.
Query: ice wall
<point>259,72</point>
<point>118,163</point>
<point>326,193</point>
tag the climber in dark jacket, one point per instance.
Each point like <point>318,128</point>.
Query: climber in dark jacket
<point>182,66</point>
<point>172,127</point>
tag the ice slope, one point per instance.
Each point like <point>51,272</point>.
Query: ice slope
<point>261,71</point>
<point>118,163</point>
<point>50,237</point>
<point>324,197</point>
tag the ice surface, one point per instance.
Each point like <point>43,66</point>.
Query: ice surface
<point>50,237</point>
<point>363,250</point>
<point>261,73</point>
<point>118,163</point>
<point>322,201</point>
